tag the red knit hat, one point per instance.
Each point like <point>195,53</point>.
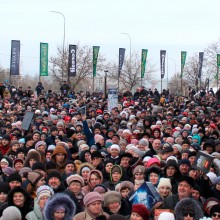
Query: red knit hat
<point>141,210</point>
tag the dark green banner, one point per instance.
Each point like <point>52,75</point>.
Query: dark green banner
<point>218,66</point>
<point>143,61</point>
<point>183,61</point>
<point>95,57</point>
<point>43,59</point>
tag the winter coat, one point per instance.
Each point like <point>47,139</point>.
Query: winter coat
<point>36,214</point>
<point>86,216</point>
<point>188,202</point>
<point>55,202</point>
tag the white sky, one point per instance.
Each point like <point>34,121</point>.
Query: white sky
<point>171,25</point>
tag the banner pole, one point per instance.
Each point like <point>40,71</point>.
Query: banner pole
<point>217,75</point>
<point>93,84</point>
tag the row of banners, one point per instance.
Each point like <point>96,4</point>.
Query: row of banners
<point>15,60</point>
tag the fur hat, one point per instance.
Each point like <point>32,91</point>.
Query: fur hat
<point>60,201</point>
<point>188,204</point>
<point>74,177</point>
<point>54,173</point>
<point>141,210</point>
<point>44,191</point>
<point>91,197</point>
<point>11,213</point>
<point>100,188</point>
<point>110,197</point>
<point>14,177</point>
<point>126,184</point>
<point>32,154</point>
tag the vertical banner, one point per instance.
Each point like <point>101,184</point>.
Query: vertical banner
<point>218,66</point>
<point>95,57</point>
<point>183,61</point>
<point>72,61</point>
<point>43,59</point>
<point>162,62</point>
<point>15,57</point>
<point>201,55</point>
<point>112,99</point>
<point>143,61</point>
<point>121,60</point>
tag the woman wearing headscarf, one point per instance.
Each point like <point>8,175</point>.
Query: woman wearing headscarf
<point>84,170</point>
<point>153,175</point>
<point>21,199</point>
<point>59,207</point>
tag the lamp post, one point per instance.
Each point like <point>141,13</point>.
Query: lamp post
<point>64,34</point>
<point>105,83</point>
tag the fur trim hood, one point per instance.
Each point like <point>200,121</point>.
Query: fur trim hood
<point>59,199</point>
<point>188,202</point>
<point>89,165</point>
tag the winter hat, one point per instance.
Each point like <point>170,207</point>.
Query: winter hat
<point>39,143</point>
<point>4,160</point>
<point>144,142</point>
<point>44,191</point>
<point>215,208</point>
<point>141,210</point>
<point>8,171</point>
<point>11,213</point>
<point>14,142</point>
<point>110,197</point>
<point>164,182</point>
<point>59,150</point>
<point>51,147</point>
<point>166,216</point>
<point>33,177</point>
<point>139,169</point>
<point>117,217</point>
<point>209,203</point>
<point>75,177</point>
<point>126,184</point>
<point>91,197</point>
<point>187,179</point>
<point>212,177</point>
<point>4,187</point>
<point>115,146</point>
<point>98,138</point>
<point>17,160</point>
<point>28,138</point>
<point>32,154</point>
<point>185,161</point>
<point>116,168</point>
<point>54,173</point>
<point>24,170</point>
<point>152,161</point>
<point>14,177</point>
<point>100,188</point>
<point>179,148</point>
<point>38,166</point>
<point>6,137</point>
<point>217,180</point>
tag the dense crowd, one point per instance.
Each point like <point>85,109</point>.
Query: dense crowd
<point>80,160</point>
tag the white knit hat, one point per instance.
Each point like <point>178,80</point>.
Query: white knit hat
<point>115,146</point>
<point>164,182</point>
<point>11,213</point>
<point>166,216</point>
<point>44,191</point>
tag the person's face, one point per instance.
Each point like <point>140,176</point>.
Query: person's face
<point>59,214</point>
<point>154,178</point>
<point>15,147</point>
<point>184,169</point>
<point>54,182</point>
<point>94,180</point>
<point>60,157</point>
<point>156,144</point>
<point>4,164</point>
<point>125,162</point>
<point>216,216</point>
<point>88,157</point>
<point>135,216</point>
<point>14,184</point>
<point>96,161</point>
<point>95,208</point>
<point>3,197</point>
<point>217,186</point>
<point>42,148</point>
<point>185,147</point>
<point>18,166</point>
<point>36,137</point>
<point>48,156</point>
<point>195,194</point>
<point>18,199</point>
<point>115,140</point>
<point>41,182</point>
<point>31,162</point>
<point>85,174</point>
<point>164,191</point>
<point>184,189</point>
<point>194,174</point>
<point>108,167</point>
<point>114,152</point>
<point>188,216</point>
<point>124,193</point>
<point>42,201</point>
<point>69,168</point>
<point>116,176</point>
<point>75,187</point>
<point>139,176</point>
<point>184,156</point>
<point>114,206</point>
<point>5,142</point>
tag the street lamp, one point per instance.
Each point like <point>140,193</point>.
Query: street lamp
<point>64,33</point>
<point>105,83</point>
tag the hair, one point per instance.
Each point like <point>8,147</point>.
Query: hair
<point>96,174</point>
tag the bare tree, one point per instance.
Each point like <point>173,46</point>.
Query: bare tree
<point>84,65</point>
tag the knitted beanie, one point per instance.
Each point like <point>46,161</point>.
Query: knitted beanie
<point>14,177</point>
<point>33,177</point>
<point>139,169</point>
<point>164,182</point>
<point>166,215</point>
<point>44,191</point>
<point>98,138</point>
<point>110,197</point>
<point>11,213</point>
<point>91,197</point>
<point>24,170</point>
<point>54,173</point>
<point>144,142</point>
<point>75,177</point>
<point>141,210</point>
<point>115,146</point>
<point>8,171</point>
<point>39,143</point>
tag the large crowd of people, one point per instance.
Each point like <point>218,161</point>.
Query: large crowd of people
<point>79,160</point>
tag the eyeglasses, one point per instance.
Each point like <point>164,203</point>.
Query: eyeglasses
<point>216,215</point>
<point>190,214</point>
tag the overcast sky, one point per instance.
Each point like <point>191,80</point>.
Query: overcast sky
<point>171,25</point>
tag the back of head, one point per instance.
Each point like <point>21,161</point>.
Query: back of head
<point>11,213</point>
